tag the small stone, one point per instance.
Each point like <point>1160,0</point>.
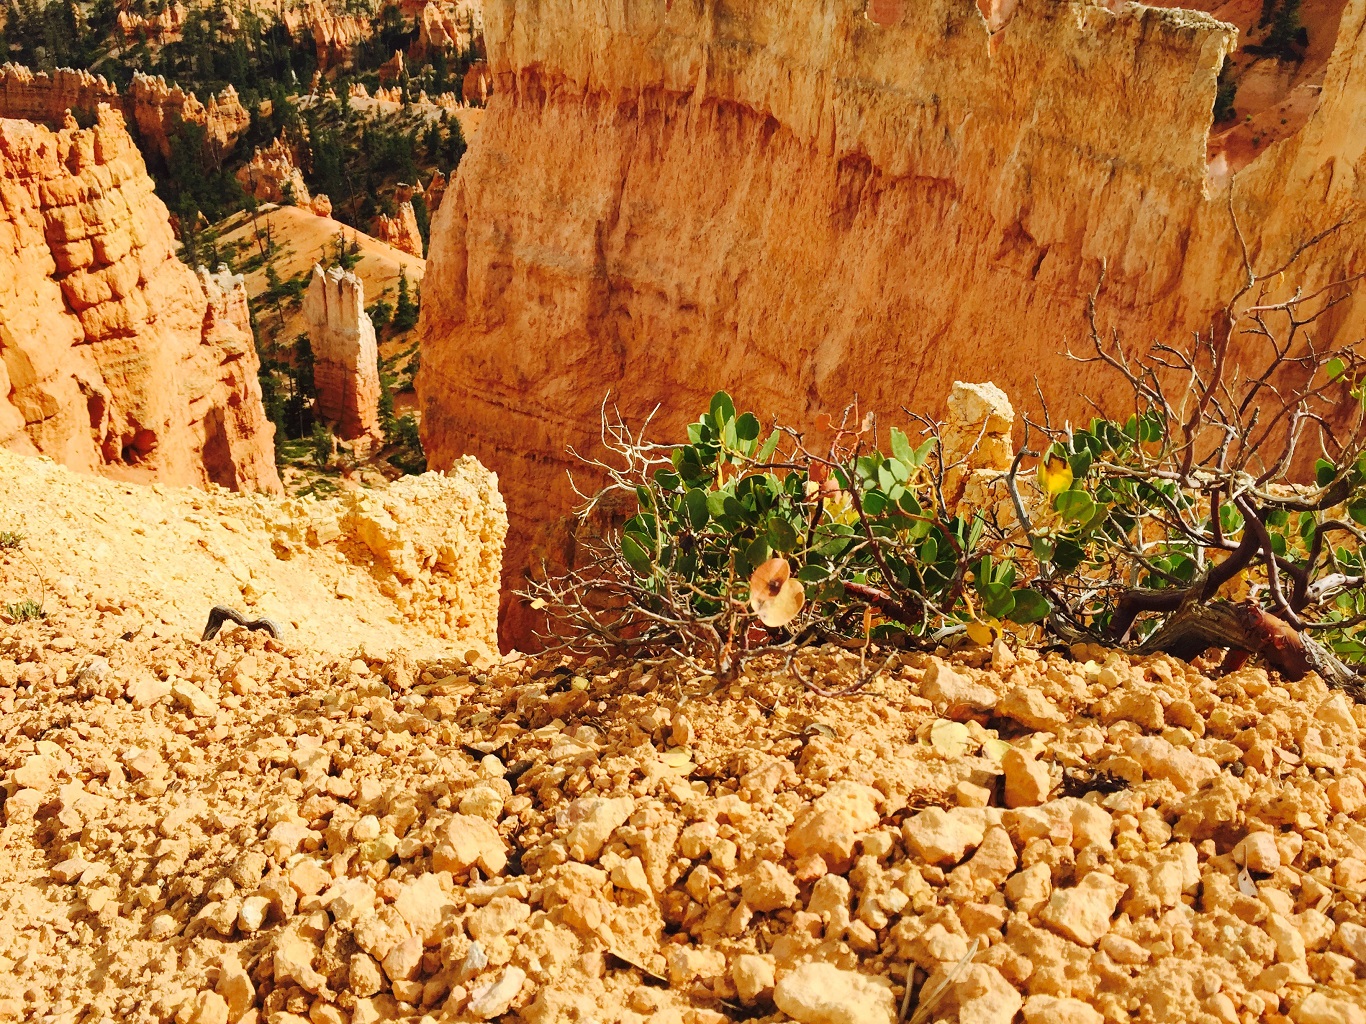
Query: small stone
<point>309,878</point>
<point>1042,1009</point>
<point>235,986</point>
<point>630,874</point>
<point>467,840</point>
<point>363,975</point>
<point>1029,707</point>
<point>820,993</point>
<point>482,802</point>
<point>1289,942</point>
<point>1083,912</point>
<point>592,821</point>
<point>143,691</point>
<point>1346,795</point>
<point>1317,1008</point>
<point>949,688</point>
<point>1258,853</point>
<point>366,830</point>
<point>768,887</point>
<point>1028,890</point>
<point>494,999</point>
<point>325,1013</point>
<point>1351,939</point>
<point>500,916</point>
<point>681,732</point>
<point>403,961</point>
<point>204,1008</point>
<point>995,858</point>
<point>163,926</point>
<point>38,772</point>
<point>753,977</point>
<point>1027,782</point>
<point>831,825</point>
<point>195,700</point>
<point>1124,951</point>
<point>942,836</point>
<point>423,903</point>
<point>985,997</point>
<point>1161,759</point>
<point>69,870</point>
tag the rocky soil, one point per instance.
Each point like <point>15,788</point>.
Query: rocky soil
<point>289,836</point>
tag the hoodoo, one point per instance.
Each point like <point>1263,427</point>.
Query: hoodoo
<point>871,199</point>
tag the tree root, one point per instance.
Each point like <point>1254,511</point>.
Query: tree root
<point>1243,626</point>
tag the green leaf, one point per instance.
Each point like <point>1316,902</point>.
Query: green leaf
<point>633,550</point>
<point>874,502</point>
<point>1075,506</point>
<point>1324,471</point>
<point>696,502</point>
<point>997,600</point>
<point>1335,368</point>
<point>1030,606</point>
<point>781,535</point>
<point>1357,510</point>
<point>722,408</point>
<point>1043,549</point>
<point>747,427</point>
<point>770,445</point>
<point>923,452</point>
<point>757,553</point>
<point>901,446</point>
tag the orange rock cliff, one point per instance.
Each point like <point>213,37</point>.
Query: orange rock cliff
<point>802,203</point>
<point>150,105</point>
<point>114,356</point>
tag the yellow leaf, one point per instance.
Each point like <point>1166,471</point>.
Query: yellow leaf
<point>949,739</point>
<point>538,603</point>
<point>995,748</point>
<point>1055,474</point>
<point>979,633</point>
<point>679,760</point>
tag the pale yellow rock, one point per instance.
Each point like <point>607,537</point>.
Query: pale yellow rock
<point>753,977</point>
<point>1083,912</point>
<point>943,836</point>
<point>818,993</point>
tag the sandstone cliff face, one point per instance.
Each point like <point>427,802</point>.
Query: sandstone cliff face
<point>452,27</point>
<point>345,354</point>
<point>150,104</point>
<point>802,202</point>
<point>114,357</point>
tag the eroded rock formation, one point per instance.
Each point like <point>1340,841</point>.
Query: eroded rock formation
<point>163,27</point>
<point>152,106</point>
<point>450,27</point>
<point>272,176</point>
<point>477,84</point>
<point>345,355</point>
<point>400,230</point>
<point>873,199</point>
<point>114,356</point>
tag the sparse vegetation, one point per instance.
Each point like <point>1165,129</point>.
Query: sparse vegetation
<point>1182,527</point>
<point>24,611</point>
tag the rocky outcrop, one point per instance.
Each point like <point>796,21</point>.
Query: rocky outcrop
<point>114,356</point>
<point>151,106</point>
<point>345,355</point>
<point>334,35</point>
<point>477,84</point>
<point>392,69</point>
<point>272,176</point>
<point>400,230</point>
<point>449,27</point>
<point>868,199</point>
<point>163,27</point>
<point>436,191</point>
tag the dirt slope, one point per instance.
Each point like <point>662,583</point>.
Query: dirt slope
<point>414,564</point>
<point>292,836</point>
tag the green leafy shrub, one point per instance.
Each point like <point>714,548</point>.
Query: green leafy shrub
<point>1184,526</point>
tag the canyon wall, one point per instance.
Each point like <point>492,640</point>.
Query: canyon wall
<point>804,202</point>
<point>154,108</point>
<point>114,357</point>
